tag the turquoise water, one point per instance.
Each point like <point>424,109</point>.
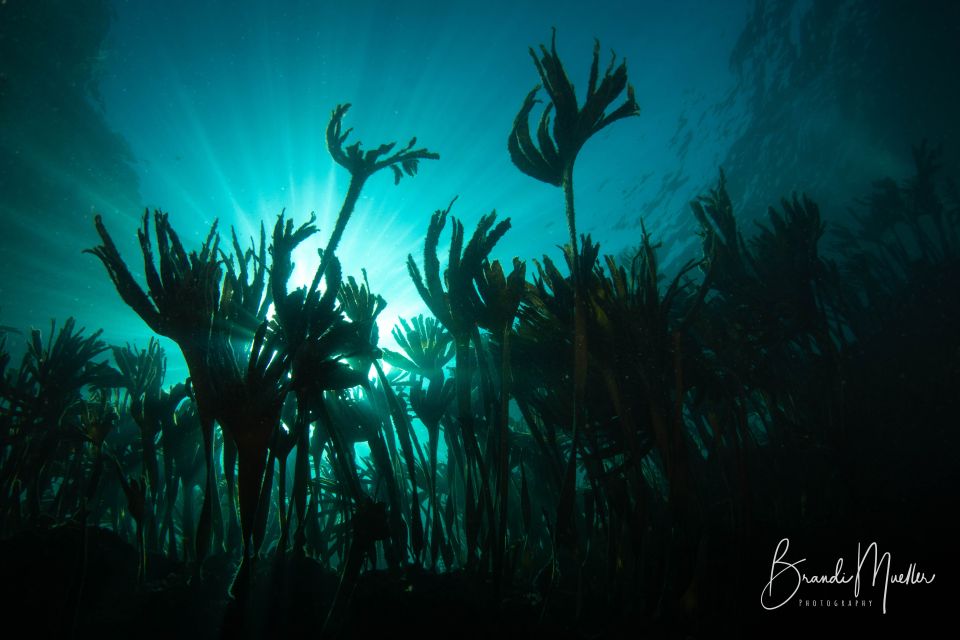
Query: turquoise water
<point>626,447</point>
<point>221,110</point>
<point>217,109</point>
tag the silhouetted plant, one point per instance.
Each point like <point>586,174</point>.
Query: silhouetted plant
<point>361,165</point>
<point>553,163</point>
<point>459,309</point>
<point>213,316</point>
<point>428,347</point>
<point>573,125</point>
<point>704,406</point>
<point>181,303</point>
<point>151,406</point>
<point>41,400</point>
<point>318,341</point>
<point>501,299</point>
<point>362,306</point>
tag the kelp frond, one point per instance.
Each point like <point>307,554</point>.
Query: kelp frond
<point>572,125</point>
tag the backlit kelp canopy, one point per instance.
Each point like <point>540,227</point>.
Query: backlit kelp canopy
<point>606,442</point>
<point>242,366</point>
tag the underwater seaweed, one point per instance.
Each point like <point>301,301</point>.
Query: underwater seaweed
<point>553,163</point>
<point>459,309</point>
<point>45,411</point>
<point>182,303</point>
<point>428,347</point>
<point>606,441</point>
<point>213,311</point>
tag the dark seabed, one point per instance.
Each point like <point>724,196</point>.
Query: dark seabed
<point>271,365</point>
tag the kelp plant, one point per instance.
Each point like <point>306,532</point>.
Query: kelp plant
<point>619,441</point>
<point>553,163</point>
<point>216,319</point>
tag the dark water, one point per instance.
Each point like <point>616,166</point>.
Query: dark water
<point>217,110</point>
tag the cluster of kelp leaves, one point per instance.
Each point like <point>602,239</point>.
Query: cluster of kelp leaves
<point>616,440</point>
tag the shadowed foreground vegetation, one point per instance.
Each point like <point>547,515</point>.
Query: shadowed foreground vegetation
<point>577,444</point>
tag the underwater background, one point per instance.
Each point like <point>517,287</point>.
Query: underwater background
<point>565,443</point>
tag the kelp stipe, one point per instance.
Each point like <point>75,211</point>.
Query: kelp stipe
<point>181,302</point>
<point>459,309</point>
<point>218,317</point>
<point>553,163</point>
<point>45,412</point>
<point>427,348</point>
<point>618,438</point>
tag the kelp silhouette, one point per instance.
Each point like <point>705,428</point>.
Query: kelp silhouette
<point>241,366</point>
<point>605,442</point>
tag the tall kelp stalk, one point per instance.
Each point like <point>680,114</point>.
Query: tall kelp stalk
<point>635,395</point>
<point>252,389</point>
<point>553,163</point>
<point>321,343</point>
<point>501,296</point>
<point>362,165</point>
<point>459,309</point>
<point>747,393</point>
<point>216,317</point>
<point>781,295</point>
<point>184,292</point>
<point>152,407</point>
<point>43,409</point>
<point>427,348</point>
<point>362,306</point>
